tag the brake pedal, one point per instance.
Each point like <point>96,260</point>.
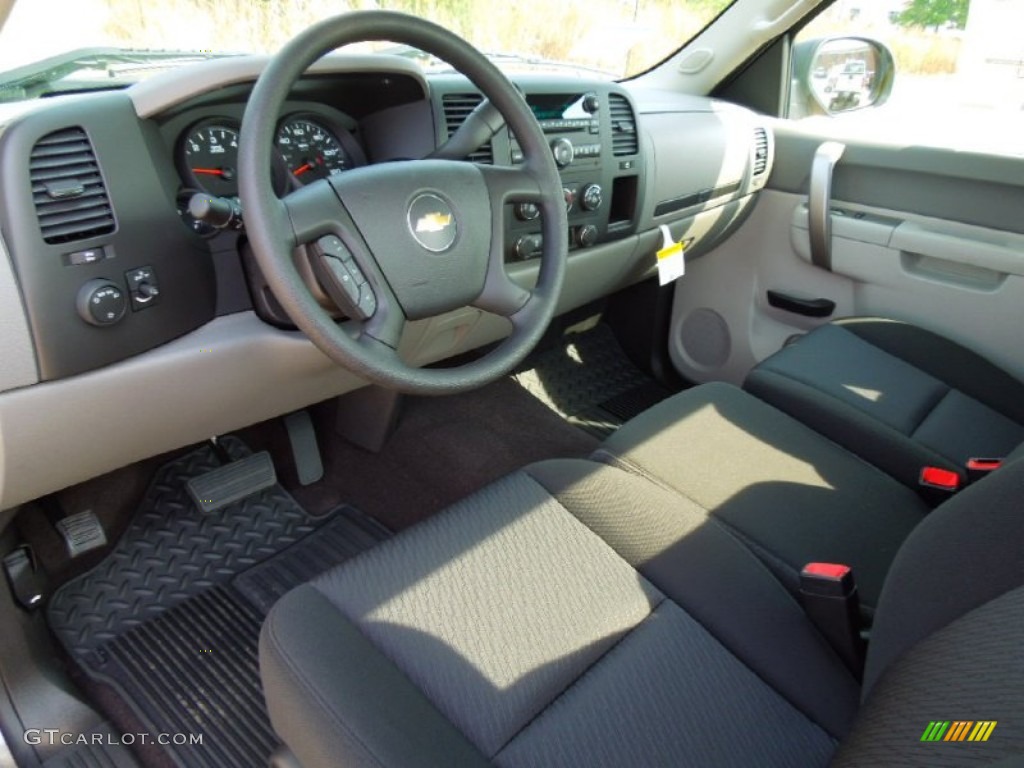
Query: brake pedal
<point>82,532</point>
<point>309,466</point>
<point>232,482</point>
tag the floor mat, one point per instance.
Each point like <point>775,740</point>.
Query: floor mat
<point>590,381</point>
<point>170,619</point>
<point>444,449</point>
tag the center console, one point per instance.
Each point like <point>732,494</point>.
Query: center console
<point>592,134</point>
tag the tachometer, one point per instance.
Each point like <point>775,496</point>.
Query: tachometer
<point>310,150</point>
<point>210,158</point>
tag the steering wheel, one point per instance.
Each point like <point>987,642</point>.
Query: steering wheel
<point>407,240</point>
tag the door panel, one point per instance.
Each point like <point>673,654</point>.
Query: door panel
<point>930,236</point>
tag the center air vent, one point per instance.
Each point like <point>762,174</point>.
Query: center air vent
<point>624,136</point>
<point>760,151</point>
<point>457,107</point>
<point>67,188</point>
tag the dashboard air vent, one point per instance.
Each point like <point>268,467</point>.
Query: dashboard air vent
<point>760,151</point>
<point>457,107</point>
<point>624,136</point>
<point>67,188</point>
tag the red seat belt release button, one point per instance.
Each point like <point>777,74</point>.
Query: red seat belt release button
<point>977,468</point>
<point>943,479</point>
<point>828,594</point>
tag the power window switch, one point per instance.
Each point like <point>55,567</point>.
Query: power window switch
<point>143,287</point>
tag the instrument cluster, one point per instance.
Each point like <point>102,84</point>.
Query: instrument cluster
<point>308,148</point>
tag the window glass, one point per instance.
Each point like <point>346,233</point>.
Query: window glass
<point>959,78</point>
<point>610,38</point>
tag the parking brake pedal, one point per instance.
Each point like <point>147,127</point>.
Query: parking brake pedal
<point>82,533</point>
<point>27,582</point>
<point>232,482</point>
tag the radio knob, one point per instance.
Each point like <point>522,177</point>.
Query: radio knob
<point>592,197</point>
<point>591,103</point>
<point>527,211</point>
<point>586,236</point>
<point>563,152</point>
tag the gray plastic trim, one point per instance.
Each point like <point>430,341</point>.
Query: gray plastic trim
<point>157,94</point>
<point>232,372</point>
<point>19,360</point>
<point>236,371</point>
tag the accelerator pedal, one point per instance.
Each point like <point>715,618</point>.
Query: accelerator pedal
<point>232,482</point>
<point>308,464</point>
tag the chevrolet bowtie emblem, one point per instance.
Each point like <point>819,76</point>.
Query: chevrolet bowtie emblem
<point>434,222</point>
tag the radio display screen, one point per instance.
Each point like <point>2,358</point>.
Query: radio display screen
<point>553,106</point>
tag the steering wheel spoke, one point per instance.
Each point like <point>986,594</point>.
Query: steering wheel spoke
<point>313,211</point>
<point>511,185</point>
<point>502,295</point>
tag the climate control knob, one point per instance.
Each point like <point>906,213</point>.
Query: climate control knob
<point>102,302</point>
<point>592,197</point>
<point>563,152</point>
<point>586,236</point>
<point>527,211</point>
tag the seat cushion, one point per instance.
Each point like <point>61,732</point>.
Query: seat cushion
<point>947,642</point>
<point>898,395</point>
<point>791,494</point>
<point>524,637</point>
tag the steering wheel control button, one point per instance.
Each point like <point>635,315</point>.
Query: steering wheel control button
<point>432,222</point>
<point>142,287</point>
<point>343,280</point>
<point>101,302</point>
<point>86,256</point>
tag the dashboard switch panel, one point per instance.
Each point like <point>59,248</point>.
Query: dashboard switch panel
<point>142,287</point>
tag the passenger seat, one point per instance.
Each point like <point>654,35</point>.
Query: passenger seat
<point>899,396</point>
<point>791,495</point>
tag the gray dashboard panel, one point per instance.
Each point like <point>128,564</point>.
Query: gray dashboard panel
<point>159,94</point>
<point>19,361</point>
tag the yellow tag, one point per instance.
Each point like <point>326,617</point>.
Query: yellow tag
<point>671,260</point>
<point>673,250</point>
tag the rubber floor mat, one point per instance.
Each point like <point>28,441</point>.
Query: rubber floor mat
<point>590,381</point>
<point>170,619</point>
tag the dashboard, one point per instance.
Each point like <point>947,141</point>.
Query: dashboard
<point>117,283</point>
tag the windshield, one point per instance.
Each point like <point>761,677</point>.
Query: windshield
<point>610,38</point>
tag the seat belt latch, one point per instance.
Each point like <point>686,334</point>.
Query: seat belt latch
<point>937,484</point>
<point>829,596</point>
<point>978,468</point>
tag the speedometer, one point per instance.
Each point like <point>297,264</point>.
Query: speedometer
<point>310,150</point>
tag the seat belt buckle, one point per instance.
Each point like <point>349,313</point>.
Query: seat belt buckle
<point>978,468</point>
<point>828,593</point>
<point>938,484</point>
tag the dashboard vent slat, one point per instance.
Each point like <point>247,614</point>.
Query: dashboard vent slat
<point>760,151</point>
<point>624,133</point>
<point>70,197</point>
<point>457,107</point>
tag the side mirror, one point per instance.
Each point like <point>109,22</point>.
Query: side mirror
<point>840,74</point>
